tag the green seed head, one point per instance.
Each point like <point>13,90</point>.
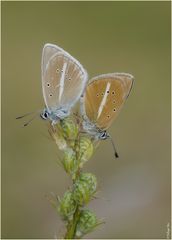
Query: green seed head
<point>85,150</point>
<point>56,134</point>
<point>67,206</point>
<point>69,161</point>
<point>69,128</point>
<point>90,180</point>
<point>87,222</point>
<point>84,188</point>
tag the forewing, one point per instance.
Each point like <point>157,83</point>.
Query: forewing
<point>105,96</point>
<point>63,81</point>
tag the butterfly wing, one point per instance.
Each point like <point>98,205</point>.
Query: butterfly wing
<point>63,78</point>
<point>48,51</point>
<point>104,97</point>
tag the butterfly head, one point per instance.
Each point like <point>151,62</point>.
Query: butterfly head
<point>45,114</point>
<point>103,135</point>
<point>54,115</point>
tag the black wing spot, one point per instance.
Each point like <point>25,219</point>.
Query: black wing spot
<point>48,84</point>
<point>113,92</point>
<point>102,93</point>
<point>107,92</point>
<point>50,95</point>
<point>108,116</point>
<point>114,109</point>
<point>57,70</point>
<point>97,94</point>
<point>69,79</point>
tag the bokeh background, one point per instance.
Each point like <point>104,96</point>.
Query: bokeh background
<point>134,191</point>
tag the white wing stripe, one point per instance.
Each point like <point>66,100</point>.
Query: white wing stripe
<point>103,100</point>
<point>62,80</point>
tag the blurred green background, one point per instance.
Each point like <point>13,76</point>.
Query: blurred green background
<point>134,191</point>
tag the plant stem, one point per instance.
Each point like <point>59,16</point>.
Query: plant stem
<point>71,228</point>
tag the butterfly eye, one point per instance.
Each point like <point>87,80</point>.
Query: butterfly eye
<point>45,115</point>
<point>103,135</point>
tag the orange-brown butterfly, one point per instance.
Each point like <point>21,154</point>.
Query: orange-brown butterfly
<point>102,102</point>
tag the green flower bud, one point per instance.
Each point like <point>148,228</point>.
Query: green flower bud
<point>69,128</point>
<point>69,161</point>
<point>87,222</point>
<point>85,150</point>
<point>84,188</point>
<point>67,206</point>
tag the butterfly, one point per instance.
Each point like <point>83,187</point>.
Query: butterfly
<point>102,101</point>
<point>63,82</point>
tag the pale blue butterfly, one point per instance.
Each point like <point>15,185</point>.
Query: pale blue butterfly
<point>63,82</point>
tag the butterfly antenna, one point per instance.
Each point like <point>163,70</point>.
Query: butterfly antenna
<point>114,148</point>
<point>26,114</point>
<point>27,123</point>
